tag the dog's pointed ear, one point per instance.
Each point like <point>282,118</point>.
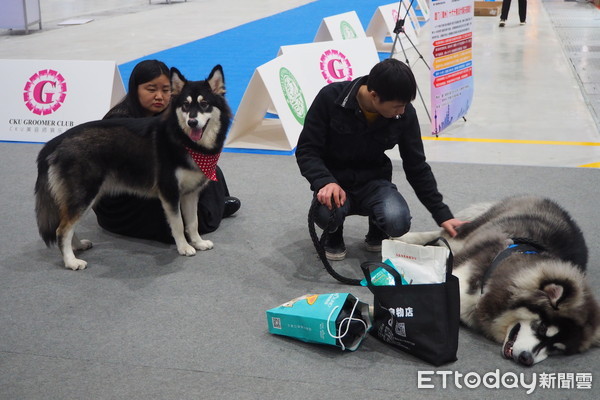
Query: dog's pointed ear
<point>216,80</point>
<point>177,81</point>
<point>554,292</point>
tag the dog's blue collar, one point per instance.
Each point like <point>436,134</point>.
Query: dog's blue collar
<point>520,246</point>
<point>523,246</point>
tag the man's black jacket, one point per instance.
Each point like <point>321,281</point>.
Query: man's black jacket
<point>337,144</point>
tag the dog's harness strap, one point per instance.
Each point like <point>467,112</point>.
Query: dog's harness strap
<point>523,246</point>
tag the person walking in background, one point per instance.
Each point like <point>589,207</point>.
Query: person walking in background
<point>149,94</point>
<point>506,8</point>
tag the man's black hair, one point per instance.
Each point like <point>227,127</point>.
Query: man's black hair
<point>392,79</point>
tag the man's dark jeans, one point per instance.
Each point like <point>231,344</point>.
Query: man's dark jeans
<point>379,200</point>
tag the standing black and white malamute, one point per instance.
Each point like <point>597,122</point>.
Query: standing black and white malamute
<point>165,157</point>
<point>521,265</point>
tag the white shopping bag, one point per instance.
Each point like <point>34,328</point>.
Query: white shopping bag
<point>417,264</point>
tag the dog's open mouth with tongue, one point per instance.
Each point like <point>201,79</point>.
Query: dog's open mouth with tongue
<point>197,131</point>
<point>507,350</point>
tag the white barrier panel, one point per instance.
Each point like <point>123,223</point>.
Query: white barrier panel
<point>382,26</point>
<point>422,9</point>
<point>288,85</point>
<point>409,14</point>
<point>44,98</point>
<point>340,27</point>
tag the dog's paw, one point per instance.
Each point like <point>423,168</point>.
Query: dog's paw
<point>203,244</point>
<point>186,250</point>
<point>76,264</point>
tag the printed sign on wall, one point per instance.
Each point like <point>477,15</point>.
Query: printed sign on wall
<point>452,71</point>
<point>44,98</point>
<point>287,85</point>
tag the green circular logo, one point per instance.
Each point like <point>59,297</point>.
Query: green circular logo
<point>347,31</point>
<point>293,95</point>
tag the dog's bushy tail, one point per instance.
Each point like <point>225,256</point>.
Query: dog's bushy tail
<point>46,209</point>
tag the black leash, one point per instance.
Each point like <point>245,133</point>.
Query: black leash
<point>320,247</point>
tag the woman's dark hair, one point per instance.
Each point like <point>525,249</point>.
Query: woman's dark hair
<point>391,79</point>
<point>143,72</point>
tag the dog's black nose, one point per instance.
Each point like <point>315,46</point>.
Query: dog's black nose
<point>526,358</point>
<point>192,123</point>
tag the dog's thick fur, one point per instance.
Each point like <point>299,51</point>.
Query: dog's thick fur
<point>147,157</point>
<point>535,302</point>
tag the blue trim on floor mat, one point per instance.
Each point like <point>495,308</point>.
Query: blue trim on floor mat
<point>20,141</point>
<point>259,151</point>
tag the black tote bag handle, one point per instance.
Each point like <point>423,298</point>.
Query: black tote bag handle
<point>366,268</point>
<point>450,260</point>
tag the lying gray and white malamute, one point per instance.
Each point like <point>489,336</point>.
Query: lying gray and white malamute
<point>165,157</point>
<point>521,265</point>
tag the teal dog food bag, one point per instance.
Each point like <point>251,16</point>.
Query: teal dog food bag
<point>337,319</point>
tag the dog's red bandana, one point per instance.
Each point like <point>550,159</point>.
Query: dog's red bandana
<point>206,162</point>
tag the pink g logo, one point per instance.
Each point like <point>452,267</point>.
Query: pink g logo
<point>335,67</point>
<point>45,92</point>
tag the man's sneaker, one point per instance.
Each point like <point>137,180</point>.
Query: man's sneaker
<point>335,249</point>
<point>502,23</point>
<point>374,237</point>
<point>522,22</point>
<point>373,244</point>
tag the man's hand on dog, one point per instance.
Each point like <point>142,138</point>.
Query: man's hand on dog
<point>451,225</point>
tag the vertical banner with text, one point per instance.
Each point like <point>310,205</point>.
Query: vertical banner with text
<point>452,71</point>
